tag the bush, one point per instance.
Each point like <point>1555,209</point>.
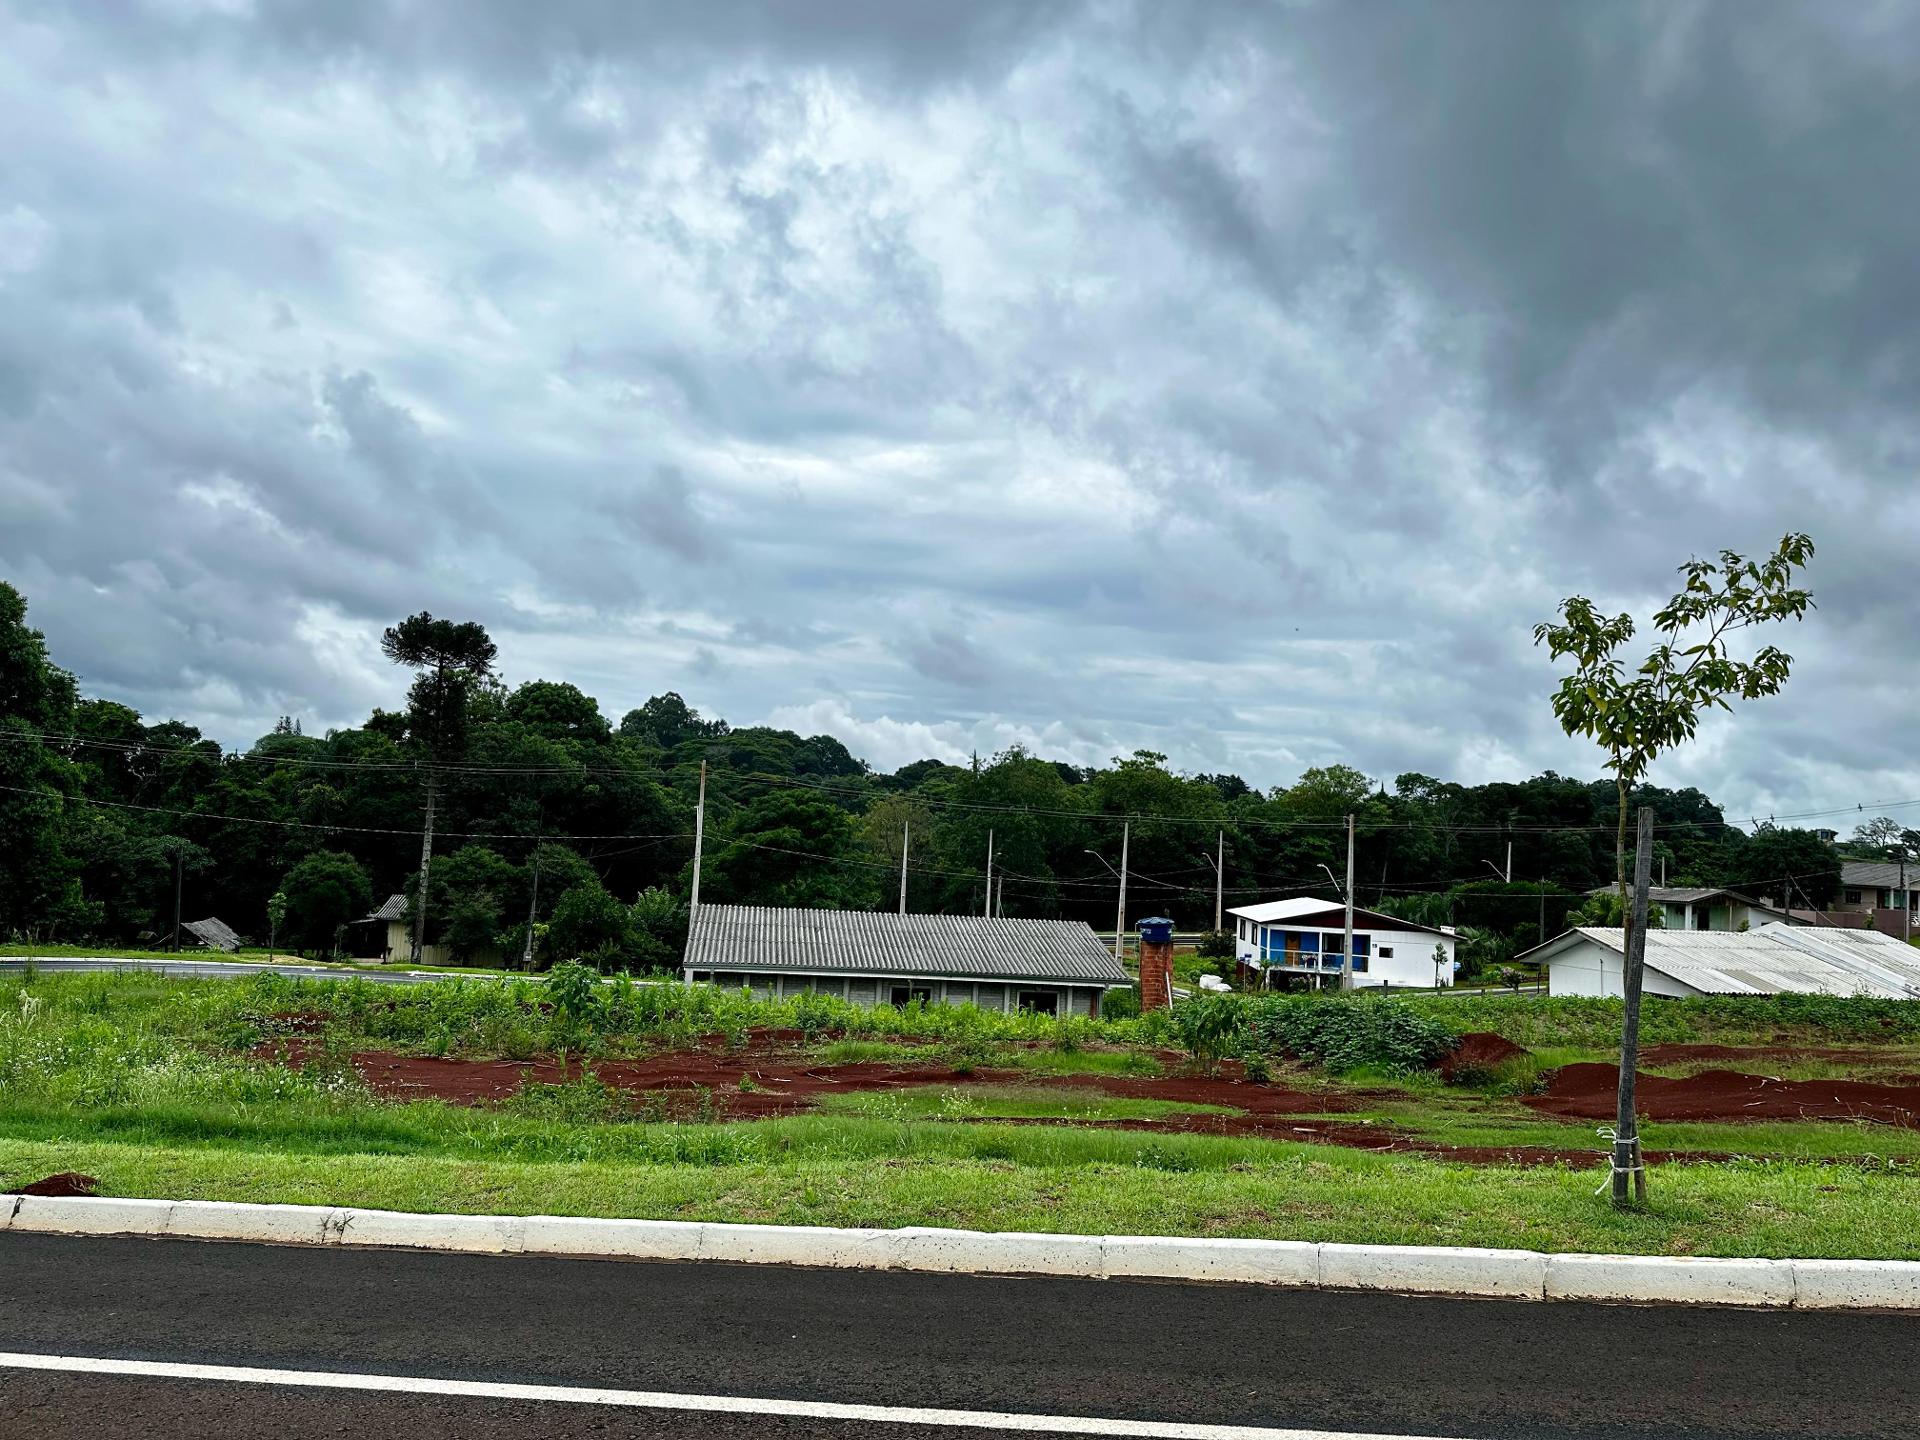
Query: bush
<point>1216,945</point>
<point>1121,1004</point>
<point>590,922</point>
<point>1347,1032</point>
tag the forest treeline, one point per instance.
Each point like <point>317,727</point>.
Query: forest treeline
<point>99,805</point>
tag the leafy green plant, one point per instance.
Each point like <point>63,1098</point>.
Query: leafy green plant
<point>1211,1026</point>
<point>1347,1032</point>
<point>574,989</point>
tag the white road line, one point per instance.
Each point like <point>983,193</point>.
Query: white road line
<point>666,1400</point>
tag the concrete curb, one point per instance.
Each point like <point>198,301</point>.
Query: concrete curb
<point>1403,1269</point>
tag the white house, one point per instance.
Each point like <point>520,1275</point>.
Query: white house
<point>1306,936</point>
<point>1771,960</point>
<point>1708,907</point>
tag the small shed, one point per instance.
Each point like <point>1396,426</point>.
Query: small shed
<point>212,933</point>
<point>1056,967</point>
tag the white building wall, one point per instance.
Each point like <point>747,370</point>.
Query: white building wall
<point>1590,968</point>
<point>1410,962</point>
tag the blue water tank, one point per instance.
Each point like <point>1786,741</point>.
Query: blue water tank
<point>1157,931</point>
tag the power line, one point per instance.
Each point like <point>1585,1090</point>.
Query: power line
<point>59,798</point>
<point>1233,821</point>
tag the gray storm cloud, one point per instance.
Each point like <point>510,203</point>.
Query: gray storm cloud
<point>1237,382</point>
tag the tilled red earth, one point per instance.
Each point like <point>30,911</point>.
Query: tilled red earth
<point>782,1083</point>
<point>1588,1091</point>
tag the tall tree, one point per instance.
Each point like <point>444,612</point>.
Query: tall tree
<point>39,881</point>
<point>451,659</point>
<point>1689,670</point>
<point>1637,717</point>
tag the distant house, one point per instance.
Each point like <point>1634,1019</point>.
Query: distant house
<point>1771,960</point>
<point>1056,967</point>
<point>1708,907</point>
<point>1306,937</point>
<point>212,933</point>
<point>385,933</point>
<point>1880,894</point>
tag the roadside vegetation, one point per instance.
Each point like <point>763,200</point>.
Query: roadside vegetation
<point>188,1088</point>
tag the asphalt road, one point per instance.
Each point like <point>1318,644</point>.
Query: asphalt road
<point>1144,1351</point>
<point>224,969</point>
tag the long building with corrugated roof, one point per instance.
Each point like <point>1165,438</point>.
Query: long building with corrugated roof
<point>1056,967</point>
<point>1770,960</point>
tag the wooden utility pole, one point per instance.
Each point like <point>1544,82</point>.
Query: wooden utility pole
<point>699,839</point>
<point>1346,957</point>
<point>426,865</point>
<point>987,911</point>
<point>906,835</point>
<point>1120,914</point>
<point>1626,1133</point>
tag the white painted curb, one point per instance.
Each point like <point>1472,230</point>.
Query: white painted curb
<point>1403,1269</point>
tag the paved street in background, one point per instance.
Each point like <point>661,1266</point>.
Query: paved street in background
<point>1137,1350</point>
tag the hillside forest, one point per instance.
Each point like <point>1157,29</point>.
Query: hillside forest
<point>102,809</point>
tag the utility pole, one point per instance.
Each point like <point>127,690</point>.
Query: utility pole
<point>699,839</point>
<point>1346,958</point>
<point>906,835</point>
<point>426,864</point>
<point>533,911</point>
<point>1906,899</point>
<point>1626,1129</point>
<point>177,866</point>
<point>987,913</point>
<point>1120,915</point>
<point>1509,875</point>
<point>1218,864</point>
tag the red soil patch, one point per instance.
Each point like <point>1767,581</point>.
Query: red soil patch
<point>780,1084</point>
<point>1587,1091</point>
<point>1752,1054</point>
<point>64,1185</point>
<point>1479,1050</point>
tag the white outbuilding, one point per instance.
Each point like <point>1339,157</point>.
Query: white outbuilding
<point>1306,936</point>
<point>1771,960</point>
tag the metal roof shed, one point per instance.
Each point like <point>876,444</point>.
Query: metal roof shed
<point>876,957</point>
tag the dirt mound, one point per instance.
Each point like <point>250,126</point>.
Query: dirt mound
<point>65,1185</point>
<point>1479,1050</point>
<point>1588,1091</point>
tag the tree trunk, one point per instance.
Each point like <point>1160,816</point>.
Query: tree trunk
<point>1626,1127</point>
<point>1620,849</point>
<point>426,864</point>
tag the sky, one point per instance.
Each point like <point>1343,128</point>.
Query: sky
<point>1237,381</point>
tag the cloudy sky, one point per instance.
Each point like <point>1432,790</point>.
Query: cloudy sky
<point>1237,380</point>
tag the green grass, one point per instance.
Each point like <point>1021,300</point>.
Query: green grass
<point>145,1082</point>
<point>1281,1191</point>
<point>970,1102</point>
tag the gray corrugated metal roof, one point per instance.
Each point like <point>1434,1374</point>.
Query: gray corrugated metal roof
<point>1693,895</point>
<point>1880,875</point>
<point>394,907</point>
<point>1777,959</point>
<point>214,934</point>
<point>860,942</point>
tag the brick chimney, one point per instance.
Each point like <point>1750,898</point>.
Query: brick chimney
<point>1156,964</point>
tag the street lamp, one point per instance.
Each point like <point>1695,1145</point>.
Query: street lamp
<point>1338,889</point>
<point>1120,911</point>
<point>1219,867</point>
